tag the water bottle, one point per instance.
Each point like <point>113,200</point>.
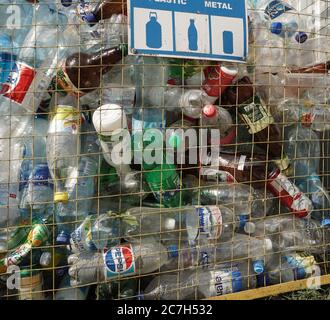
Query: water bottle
<point>302,145</point>
<point>283,20</point>
<point>97,232</point>
<point>289,267</point>
<point>40,189</point>
<point>122,260</point>
<point>149,77</point>
<point>290,233</point>
<point>63,147</point>
<point>236,196</point>
<point>244,247</point>
<point>111,125</point>
<point>195,224</point>
<point>80,187</point>
<point>188,101</point>
<point>200,284</point>
<point>14,176</point>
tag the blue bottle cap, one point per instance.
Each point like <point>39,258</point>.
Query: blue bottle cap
<point>173,251</point>
<point>301,37</point>
<point>63,238</point>
<point>258,266</point>
<point>243,219</point>
<point>276,27</point>
<point>325,223</point>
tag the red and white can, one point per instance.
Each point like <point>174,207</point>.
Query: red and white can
<point>218,79</point>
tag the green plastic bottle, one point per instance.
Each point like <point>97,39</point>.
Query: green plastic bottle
<point>164,182</point>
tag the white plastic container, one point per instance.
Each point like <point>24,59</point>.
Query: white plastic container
<point>110,123</point>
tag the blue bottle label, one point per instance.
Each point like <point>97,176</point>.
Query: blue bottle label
<point>41,176</point>
<point>277,8</point>
<point>119,261</point>
<point>227,281</point>
<point>210,222</point>
<point>85,13</point>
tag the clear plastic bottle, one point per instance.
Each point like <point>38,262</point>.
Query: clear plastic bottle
<point>122,260</point>
<point>63,148</point>
<point>195,224</point>
<point>200,283</point>
<point>302,145</point>
<point>290,233</point>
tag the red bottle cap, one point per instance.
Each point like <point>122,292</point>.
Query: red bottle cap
<point>209,111</point>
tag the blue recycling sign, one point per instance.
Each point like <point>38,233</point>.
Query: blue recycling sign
<point>195,29</point>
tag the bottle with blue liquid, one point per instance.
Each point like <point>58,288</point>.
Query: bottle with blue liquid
<point>302,145</point>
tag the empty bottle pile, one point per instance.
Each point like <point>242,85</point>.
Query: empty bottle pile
<point>135,177</point>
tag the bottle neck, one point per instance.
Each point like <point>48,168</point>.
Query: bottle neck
<point>109,57</point>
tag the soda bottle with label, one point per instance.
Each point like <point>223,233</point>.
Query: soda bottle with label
<point>81,72</point>
<point>260,173</point>
<point>119,261</point>
<point>258,118</point>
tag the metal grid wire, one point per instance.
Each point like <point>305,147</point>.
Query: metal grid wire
<point>152,209</point>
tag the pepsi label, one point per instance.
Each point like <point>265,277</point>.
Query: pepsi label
<point>119,261</point>
<point>18,82</point>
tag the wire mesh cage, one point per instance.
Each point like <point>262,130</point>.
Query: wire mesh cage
<point>128,177</point>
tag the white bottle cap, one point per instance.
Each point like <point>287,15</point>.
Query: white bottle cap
<point>230,72</point>
<point>170,224</point>
<point>268,244</point>
<point>108,118</point>
<point>249,227</point>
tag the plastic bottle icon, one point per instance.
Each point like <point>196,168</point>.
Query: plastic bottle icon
<point>154,32</point>
<point>228,42</point>
<point>192,36</point>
